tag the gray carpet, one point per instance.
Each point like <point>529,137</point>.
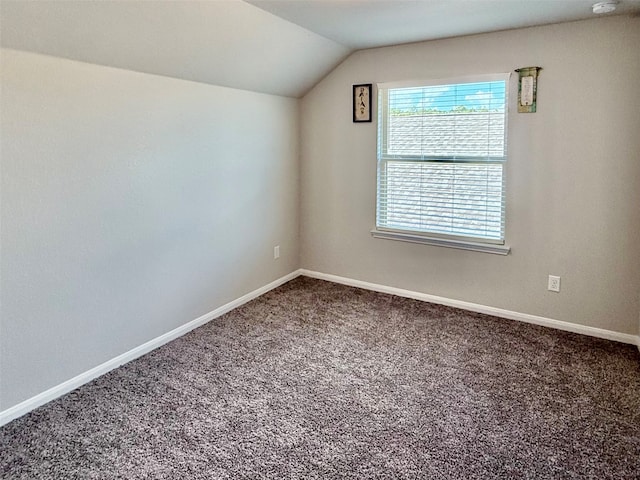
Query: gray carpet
<point>318,380</point>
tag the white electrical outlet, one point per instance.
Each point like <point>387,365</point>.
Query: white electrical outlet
<point>554,283</point>
<point>276,252</point>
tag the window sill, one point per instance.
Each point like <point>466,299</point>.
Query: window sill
<point>442,242</point>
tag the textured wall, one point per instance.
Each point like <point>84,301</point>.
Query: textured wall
<point>131,204</point>
<point>573,175</point>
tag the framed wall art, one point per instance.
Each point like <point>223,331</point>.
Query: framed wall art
<point>362,103</point>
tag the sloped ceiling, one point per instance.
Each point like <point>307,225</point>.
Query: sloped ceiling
<point>281,47</point>
<point>362,24</point>
<point>224,42</point>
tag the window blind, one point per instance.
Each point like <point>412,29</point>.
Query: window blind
<point>441,156</point>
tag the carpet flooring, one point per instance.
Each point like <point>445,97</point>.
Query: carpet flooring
<point>319,380</point>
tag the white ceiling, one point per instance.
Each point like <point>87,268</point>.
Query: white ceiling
<point>281,47</point>
<point>222,42</point>
<point>360,24</point>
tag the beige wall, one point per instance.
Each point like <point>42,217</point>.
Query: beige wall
<point>573,176</point>
<point>131,204</point>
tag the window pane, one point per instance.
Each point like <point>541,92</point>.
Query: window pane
<point>447,198</point>
<point>446,135</point>
<point>441,153</point>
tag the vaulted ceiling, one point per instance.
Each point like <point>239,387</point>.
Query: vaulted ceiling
<point>360,24</point>
<point>281,47</point>
<point>229,42</point>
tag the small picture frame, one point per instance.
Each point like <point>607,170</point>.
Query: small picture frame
<point>362,103</point>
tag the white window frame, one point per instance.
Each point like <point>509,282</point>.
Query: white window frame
<point>496,246</point>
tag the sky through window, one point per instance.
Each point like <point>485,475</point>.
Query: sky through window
<point>473,97</point>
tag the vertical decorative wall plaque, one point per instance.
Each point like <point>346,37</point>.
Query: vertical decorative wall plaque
<point>527,89</point>
<point>362,103</point>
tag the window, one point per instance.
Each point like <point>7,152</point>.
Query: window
<point>441,154</point>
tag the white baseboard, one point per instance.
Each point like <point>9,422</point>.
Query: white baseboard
<point>65,387</point>
<point>51,394</point>
<point>474,307</point>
